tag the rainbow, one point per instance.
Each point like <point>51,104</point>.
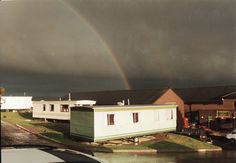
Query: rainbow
<point>112,54</point>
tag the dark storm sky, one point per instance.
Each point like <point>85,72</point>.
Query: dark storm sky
<point>52,47</point>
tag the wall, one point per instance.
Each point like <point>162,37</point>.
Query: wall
<point>197,107</point>
<point>204,114</point>
<point>149,122</point>
<point>206,110</point>
<point>170,97</point>
<point>229,104</point>
<point>56,114</point>
<point>82,124</point>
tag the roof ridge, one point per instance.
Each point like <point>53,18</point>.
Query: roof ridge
<point>228,94</point>
<point>205,87</point>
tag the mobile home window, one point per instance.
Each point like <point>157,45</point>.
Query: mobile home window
<point>51,107</point>
<point>44,107</point>
<point>64,108</point>
<point>135,117</point>
<point>110,119</point>
<point>171,115</point>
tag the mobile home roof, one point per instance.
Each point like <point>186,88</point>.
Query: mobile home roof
<point>122,108</point>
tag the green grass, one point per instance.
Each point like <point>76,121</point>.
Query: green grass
<point>173,142</point>
<point>52,130</point>
<point>60,132</point>
<point>25,119</point>
<point>14,117</point>
<point>190,142</point>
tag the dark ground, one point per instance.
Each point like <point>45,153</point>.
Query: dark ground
<point>223,142</point>
<point>11,135</point>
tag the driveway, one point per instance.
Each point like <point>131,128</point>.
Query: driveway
<point>11,135</point>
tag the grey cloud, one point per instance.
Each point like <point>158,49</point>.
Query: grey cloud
<point>157,42</point>
<point>168,38</point>
<point>50,39</point>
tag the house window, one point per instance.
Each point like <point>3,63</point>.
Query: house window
<point>64,108</point>
<point>135,117</point>
<point>110,119</point>
<point>44,107</point>
<point>234,105</point>
<point>51,107</point>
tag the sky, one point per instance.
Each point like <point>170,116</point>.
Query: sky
<point>52,47</point>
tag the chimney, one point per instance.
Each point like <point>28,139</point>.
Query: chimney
<point>69,97</point>
<point>128,102</point>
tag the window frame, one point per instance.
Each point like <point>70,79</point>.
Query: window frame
<point>171,114</point>
<point>62,109</point>
<point>135,117</point>
<point>51,107</point>
<point>110,119</point>
<point>44,107</point>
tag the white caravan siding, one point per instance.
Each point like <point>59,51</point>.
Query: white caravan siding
<point>151,119</point>
<point>16,102</point>
<point>39,112</point>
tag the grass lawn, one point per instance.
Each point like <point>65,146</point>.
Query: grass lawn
<point>173,142</point>
<point>60,132</point>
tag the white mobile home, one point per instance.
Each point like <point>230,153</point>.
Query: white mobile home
<point>16,102</point>
<point>100,123</point>
<point>56,109</point>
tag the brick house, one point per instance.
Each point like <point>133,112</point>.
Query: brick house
<point>205,104</point>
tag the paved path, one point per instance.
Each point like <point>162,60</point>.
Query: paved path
<point>11,135</point>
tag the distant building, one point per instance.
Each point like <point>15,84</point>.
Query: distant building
<point>16,103</point>
<point>206,104</point>
<point>55,108</point>
<point>100,123</point>
<point>200,105</point>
